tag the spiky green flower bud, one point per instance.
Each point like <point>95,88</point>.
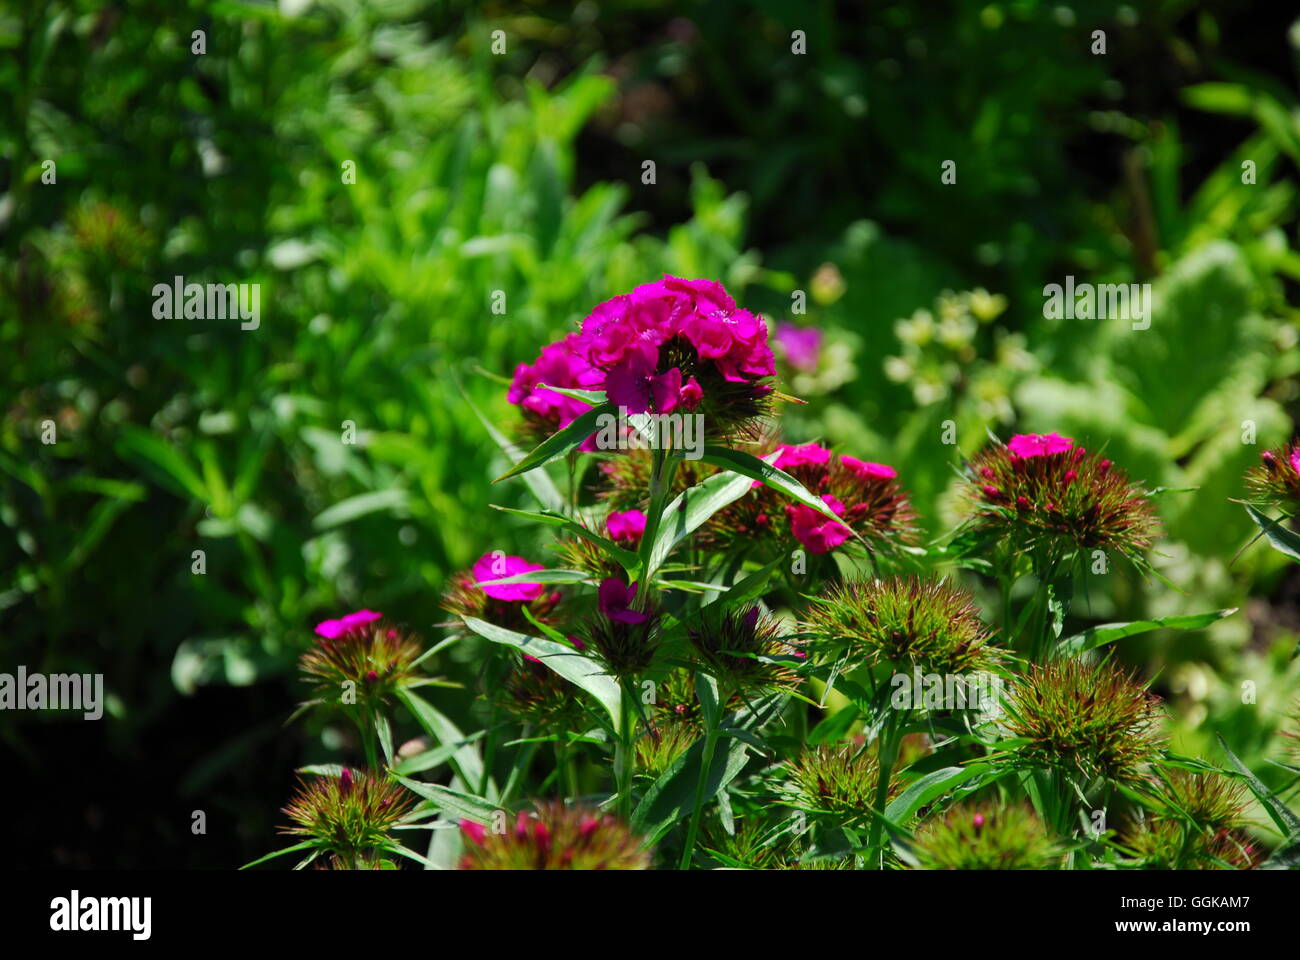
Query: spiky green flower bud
<point>984,837</point>
<point>839,780</point>
<point>744,650</point>
<point>348,816</point>
<point>1093,721</point>
<point>903,621</point>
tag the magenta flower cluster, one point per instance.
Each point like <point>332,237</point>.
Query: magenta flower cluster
<point>649,350</point>
<point>813,529</point>
<point>560,364</point>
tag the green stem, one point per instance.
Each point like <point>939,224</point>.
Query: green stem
<point>369,738</point>
<point>661,483</point>
<point>1038,622</point>
<point>623,755</point>
<point>693,827</point>
<point>888,756</point>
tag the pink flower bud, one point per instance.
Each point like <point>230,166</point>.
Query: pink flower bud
<point>474,831</point>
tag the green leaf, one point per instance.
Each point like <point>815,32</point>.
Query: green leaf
<point>628,560</point>
<point>750,588</point>
<point>1108,632</point>
<point>345,511</point>
<point>557,575</point>
<point>435,757</point>
<point>1279,812</point>
<point>561,442</point>
<point>751,466</point>
<point>1279,537</point>
<point>453,804</point>
<point>691,508</point>
<point>834,728</point>
<point>468,763</point>
<point>175,470</point>
<point>280,853</point>
<point>672,796</point>
<point>1235,99</point>
<point>593,397</point>
<point>706,689</point>
<point>567,662</point>
<point>539,482</point>
<point>929,787</point>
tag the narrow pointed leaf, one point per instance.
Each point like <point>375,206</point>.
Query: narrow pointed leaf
<point>573,666</point>
<point>1108,632</point>
<point>560,443</point>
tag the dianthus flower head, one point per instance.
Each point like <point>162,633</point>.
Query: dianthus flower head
<point>901,621</point>
<point>373,655</point>
<point>470,594</point>
<point>623,636</point>
<point>1042,492</point>
<point>1275,480</point>
<point>536,694</point>
<point>866,497</point>
<point>681,345</point>
<point>1093,721</point>
<point>348,815</point>
<point>558,837</point>
<point>986,837</point>
<point>672,723</point>
<point>560,364</point>
<point>743,649</point>
<point>625,527</point>
<point>349,623</point>
<point>835,779</point>
<point>1200,824</point>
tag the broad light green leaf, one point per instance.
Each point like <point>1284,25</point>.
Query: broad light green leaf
<point>1108,632</point>
<point>429,759</point>
<point>691,508</point>
<point>567,662</point>
<point>593,397</point>
<point>466,759</point>
<point>345,511</point>
<point>558,575</point>
<point>930,787</point>
<point>1279,537</point>
<point>452,804</point>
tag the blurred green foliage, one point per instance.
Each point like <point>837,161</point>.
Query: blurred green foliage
<point>521,173</point>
